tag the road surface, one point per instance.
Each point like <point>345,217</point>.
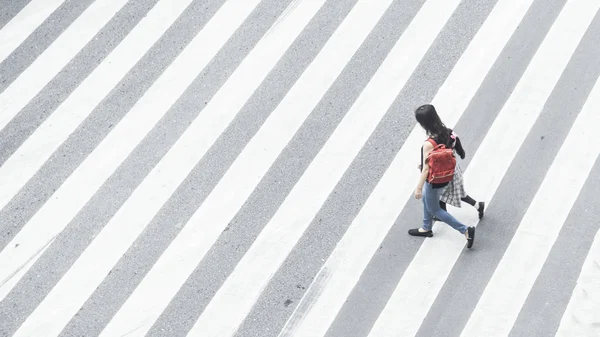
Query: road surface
<point>247,168</point>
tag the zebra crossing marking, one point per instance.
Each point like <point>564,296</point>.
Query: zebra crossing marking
<point>322,301</point>
<point>56,129</point>
<point>582,314</point>
<point>31,81</point>
<point>133,216</point>
<point>254,161</point>
<point>24,23</point>
<point>425,276</point>
<point>49,136</point>
<point>243,287</point>
<point>506,292</point>
<point>23,250</point>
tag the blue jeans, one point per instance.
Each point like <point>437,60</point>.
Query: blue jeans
<point>431,208</point>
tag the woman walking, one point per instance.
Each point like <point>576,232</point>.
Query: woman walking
<point>437,133</point>
<point>455,192</point>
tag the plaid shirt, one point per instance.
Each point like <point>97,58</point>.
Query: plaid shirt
<point>455,190</point>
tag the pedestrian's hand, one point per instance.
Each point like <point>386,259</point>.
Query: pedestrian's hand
<point>418,193</point>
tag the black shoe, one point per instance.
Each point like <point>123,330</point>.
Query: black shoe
<point>417,232</point>
<point>471,239</point>
<point>481,208</point>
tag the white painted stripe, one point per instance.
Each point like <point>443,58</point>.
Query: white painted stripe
<point>429,269</point>
<point>24,23</point>
<point>183,255</point>
<point>36,150</point>
<point>117,236</point>
<point>53,59</point>
<point>582,314</point>
<point>78,189</point>
<point>93,172</point>
<point>501,301</point>
<point>244,285</point>
<point>337,277</point>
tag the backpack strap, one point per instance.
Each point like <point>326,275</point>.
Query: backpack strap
<point>432,142</point>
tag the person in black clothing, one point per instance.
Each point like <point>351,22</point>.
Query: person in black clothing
<point>454,193</point>
<point>427,117</point>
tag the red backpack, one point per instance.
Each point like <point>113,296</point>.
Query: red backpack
<point>441,163</point>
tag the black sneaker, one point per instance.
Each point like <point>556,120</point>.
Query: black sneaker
<point>471,239</point>
<point>480,209</point>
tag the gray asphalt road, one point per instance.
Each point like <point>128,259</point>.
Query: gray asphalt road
<point>47,224</point>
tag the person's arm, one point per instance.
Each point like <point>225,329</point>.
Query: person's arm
<point>459,148</point>
<point>427,147</point>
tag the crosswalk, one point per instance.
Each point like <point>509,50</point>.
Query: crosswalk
<point>247,168</point>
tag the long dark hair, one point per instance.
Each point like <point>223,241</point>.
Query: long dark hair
<point>429,120</point>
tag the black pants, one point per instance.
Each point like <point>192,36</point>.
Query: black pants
<point>466,199</point>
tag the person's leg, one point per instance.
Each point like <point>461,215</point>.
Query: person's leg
<point>426,227</point>
<point>472,202</point>
<point>427,199</point>
<point>433,206</point>
<point>444,216</point>
<point>469,200</point>
<point>442,206</point>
